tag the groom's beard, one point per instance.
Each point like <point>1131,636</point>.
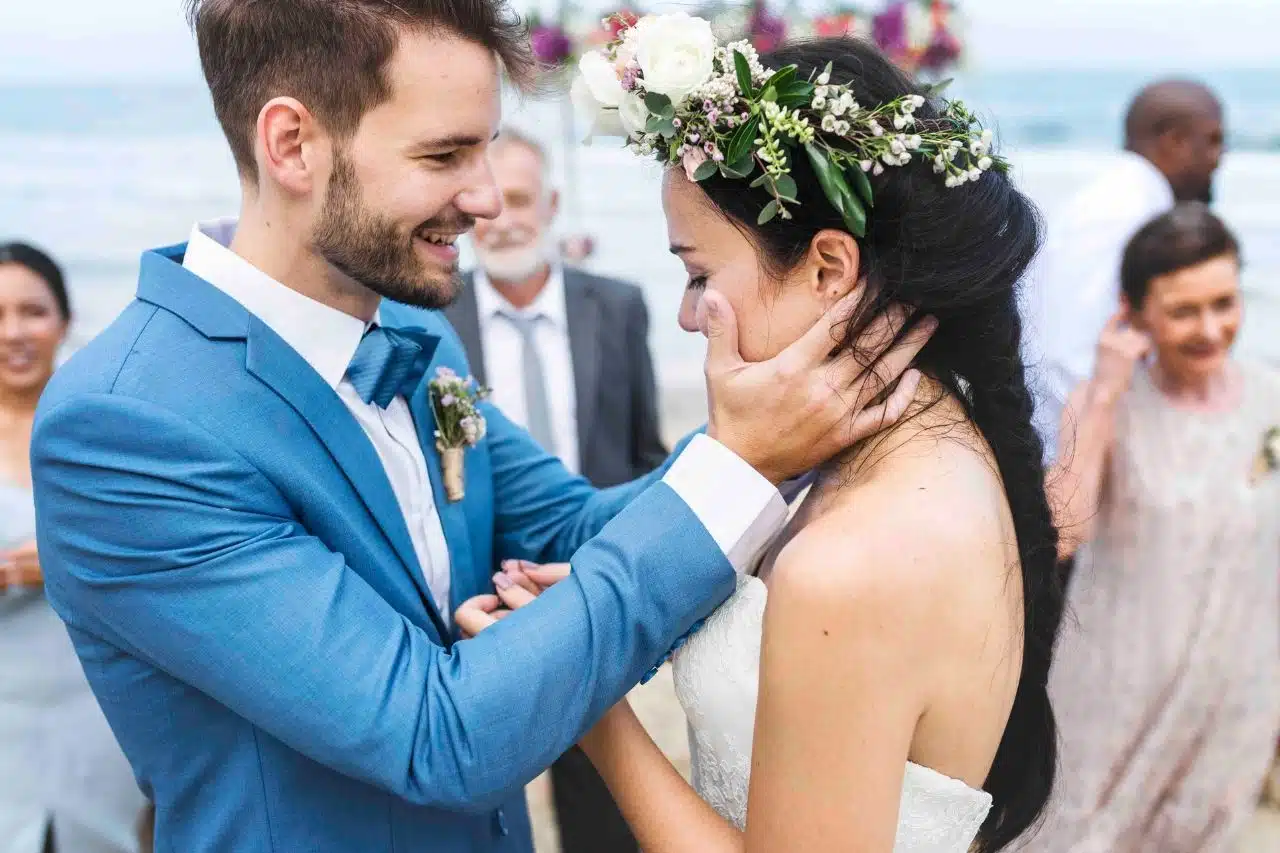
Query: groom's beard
<point>373,251</point>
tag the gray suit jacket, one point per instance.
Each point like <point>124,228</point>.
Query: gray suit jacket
<point>617,400</point>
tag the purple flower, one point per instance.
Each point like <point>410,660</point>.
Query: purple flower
<point>677,123</point>
<point>712,115</point>
<point>889,29</point>
<point>445,373</point>
<point>550,45</point>
<point>629,78</point>
<point>448,400</point>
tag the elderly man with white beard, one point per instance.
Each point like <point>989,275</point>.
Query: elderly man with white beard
<point>566,355</point>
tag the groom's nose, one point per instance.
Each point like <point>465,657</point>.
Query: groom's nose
<point>481,198</point>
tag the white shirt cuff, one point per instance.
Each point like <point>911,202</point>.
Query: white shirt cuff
<point>740,509</point>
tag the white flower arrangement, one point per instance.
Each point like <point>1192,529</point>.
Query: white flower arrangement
<point>667,87</point>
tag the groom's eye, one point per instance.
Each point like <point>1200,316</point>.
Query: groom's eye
<point>442,159</point>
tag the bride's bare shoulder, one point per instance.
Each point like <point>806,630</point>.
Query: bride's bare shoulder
<point>922,530</point>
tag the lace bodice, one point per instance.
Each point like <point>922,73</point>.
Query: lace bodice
<point>717,677</point>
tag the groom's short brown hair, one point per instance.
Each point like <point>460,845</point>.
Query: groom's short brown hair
<point>329,54</point>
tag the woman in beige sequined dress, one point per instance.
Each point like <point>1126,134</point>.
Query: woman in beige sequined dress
<point>1167,678</point>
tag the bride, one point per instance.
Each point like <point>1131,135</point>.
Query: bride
<point>878,684</point>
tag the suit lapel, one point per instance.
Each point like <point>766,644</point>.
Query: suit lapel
<point>277,365</point>
<point>464,315</point>
<point>584,346</point>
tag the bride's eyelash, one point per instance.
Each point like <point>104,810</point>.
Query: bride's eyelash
<point>697,282</point>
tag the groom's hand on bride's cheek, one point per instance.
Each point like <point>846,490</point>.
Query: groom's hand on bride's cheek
<point>798,409</point>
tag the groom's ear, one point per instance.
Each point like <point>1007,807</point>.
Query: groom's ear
<point>287,145</point>
<point>833,259</point>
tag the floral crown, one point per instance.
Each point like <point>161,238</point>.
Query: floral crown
<point>665,85</point>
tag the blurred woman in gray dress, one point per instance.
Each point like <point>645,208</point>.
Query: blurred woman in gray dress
<point>1166,680</point>
<point>65,787</point>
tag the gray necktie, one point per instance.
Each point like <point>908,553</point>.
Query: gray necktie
<point>535,383</point>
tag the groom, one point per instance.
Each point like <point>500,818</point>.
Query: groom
<point>241,510</point>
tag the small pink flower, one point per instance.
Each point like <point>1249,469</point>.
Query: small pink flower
<point>693,158</point>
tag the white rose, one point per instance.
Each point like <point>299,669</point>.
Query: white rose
<point>633,113</point>
<point>599,121</point>
<point>675,54</point>
<point>601,78</point>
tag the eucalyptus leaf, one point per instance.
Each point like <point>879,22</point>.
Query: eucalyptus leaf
<point>785,186</point>
<point>739,168</point>
<point>743,70</point>
<point>659,105</point>
<point>652,124</point>
<point>760,181</point>
<point>770,211</point>
<point>742,141</point>
<point>705,169</point>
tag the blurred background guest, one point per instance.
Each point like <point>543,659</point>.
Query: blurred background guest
<point>567,356</point>
<point>1173,135</point>
<point>565,352</point>
<point>65,785</point>
<point>1167,680</point>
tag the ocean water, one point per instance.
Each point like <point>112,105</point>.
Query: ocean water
<point>97,174</point>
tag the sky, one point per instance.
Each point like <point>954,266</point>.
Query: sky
<point>79,40</point>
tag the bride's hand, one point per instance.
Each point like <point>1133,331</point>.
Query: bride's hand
<point>519,583</point>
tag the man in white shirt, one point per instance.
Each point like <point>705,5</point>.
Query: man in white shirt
<point>1173,144</point>
<point>567,357</point>
<point>240,500</point>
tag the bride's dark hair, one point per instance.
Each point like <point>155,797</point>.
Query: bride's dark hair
<point>956,254</point>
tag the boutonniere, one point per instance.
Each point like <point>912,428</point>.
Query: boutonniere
<point>1268,458</point>
<point>459,424</point>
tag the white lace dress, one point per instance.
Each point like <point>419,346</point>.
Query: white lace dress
<point>717,675</point>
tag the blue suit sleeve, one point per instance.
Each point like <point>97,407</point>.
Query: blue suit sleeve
<point>541,511</point>
<point>161,540</point>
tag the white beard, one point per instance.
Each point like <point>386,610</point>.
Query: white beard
<point>514,264</point>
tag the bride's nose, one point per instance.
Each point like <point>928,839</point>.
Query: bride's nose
<point>688,317</point>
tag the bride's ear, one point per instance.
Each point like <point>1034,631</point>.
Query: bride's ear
<point>834,264</point>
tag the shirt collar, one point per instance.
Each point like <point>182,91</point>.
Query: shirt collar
<point>325,337</point>
<point>549,303</point>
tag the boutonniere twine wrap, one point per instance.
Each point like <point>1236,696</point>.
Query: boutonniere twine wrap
<point>667,87</point>
<point>1268,458</point>
<point>459,424</point>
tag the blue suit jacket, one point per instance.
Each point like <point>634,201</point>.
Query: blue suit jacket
<point>220,538</point>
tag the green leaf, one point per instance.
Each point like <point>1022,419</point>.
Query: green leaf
<point>742,141</point>
<point>824,170</point>
<point>785,186</point>
<point>837,191</point>
<point>760,181</point>
<point>862,184</point>
<point>798,93</point>
<point>782,78</point>
<point>770,94</point>
<point>743,69</point>
<point>770,211</point>
<point>739,169</point>
<point>652,124</point>
<point>705,169</point>
<point>659,105</point>
<point>936,89</point>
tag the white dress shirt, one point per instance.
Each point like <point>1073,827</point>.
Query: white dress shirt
<point>503,368</point>
<point>326,338</point>
<point>741,510</point>
<point>1076,282</point>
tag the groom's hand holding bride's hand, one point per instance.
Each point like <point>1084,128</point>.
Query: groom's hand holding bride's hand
<point>519,582</point>
<point>803,406</point>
